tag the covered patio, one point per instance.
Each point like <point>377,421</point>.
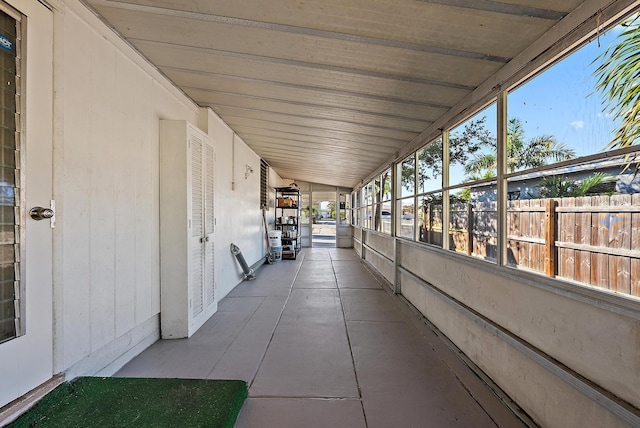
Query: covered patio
<point>322,341</point>
<point>154,135</point>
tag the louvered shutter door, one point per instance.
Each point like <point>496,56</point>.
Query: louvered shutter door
<point>209,224</point>
<point>197,229</point>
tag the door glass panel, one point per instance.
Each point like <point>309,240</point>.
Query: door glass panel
<point>323,229</point>
<point>305,209</point>
<point>9,171</point>
<point>345,211</point>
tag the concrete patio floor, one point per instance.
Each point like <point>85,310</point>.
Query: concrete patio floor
<point>323,342</point>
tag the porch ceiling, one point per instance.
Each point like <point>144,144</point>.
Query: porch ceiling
<point>327,91</point>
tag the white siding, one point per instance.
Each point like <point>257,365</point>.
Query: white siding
<point>238,215</point>
<point>109,102</point>
<point>106,185</point>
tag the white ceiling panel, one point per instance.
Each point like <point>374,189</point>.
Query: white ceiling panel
<point>328,91</point>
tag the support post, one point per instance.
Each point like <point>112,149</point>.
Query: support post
<point>397,281</point>
<point>469,228</point>
<point>446,206</point>
<point>429,236</point>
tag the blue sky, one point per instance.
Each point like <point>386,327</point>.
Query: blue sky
<point>562,101</point>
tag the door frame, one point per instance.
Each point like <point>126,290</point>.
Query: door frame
<point>27,360</point>
<point>319,189</point>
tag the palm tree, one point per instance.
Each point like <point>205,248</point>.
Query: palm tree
<point>520,153</point>
<point>561,187</point>
<point>617,80</point>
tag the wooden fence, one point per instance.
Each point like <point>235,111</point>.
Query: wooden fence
<point>593,240</point>
<point>483,239</point>
<point>598,241</point>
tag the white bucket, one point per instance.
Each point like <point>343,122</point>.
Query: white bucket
<point>275,238</point>
<point>276,253</point>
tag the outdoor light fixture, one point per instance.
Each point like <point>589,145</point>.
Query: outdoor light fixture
<point>248,170</point>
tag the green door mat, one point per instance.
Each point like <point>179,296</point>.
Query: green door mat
<point>133,402</point>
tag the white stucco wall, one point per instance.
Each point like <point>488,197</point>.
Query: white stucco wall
<point>378,251</point>
<point>106,180</point>
<point>108,105</point>
<point>237,204</point>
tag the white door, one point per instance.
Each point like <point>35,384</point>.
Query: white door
<point>209,227</point>
<point>203,302</point>
<point>26,349</point>
<point>197,230</point>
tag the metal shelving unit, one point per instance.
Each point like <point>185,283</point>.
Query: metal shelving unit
<point>288,220</point>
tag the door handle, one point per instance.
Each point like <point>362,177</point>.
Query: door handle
<point>40,213</point>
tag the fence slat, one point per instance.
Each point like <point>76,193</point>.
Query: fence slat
<point>469,242</point>
<point>599,237</point>
<point>583,237</point>
<point>536,251</point>
<point>566,233</point>
<point>513,227</point>
<point>525,217</point>
<point>550,238</point>
<point>619,238</point>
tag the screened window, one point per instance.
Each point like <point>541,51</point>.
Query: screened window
<point>264,184</point>
<point>407,174</point>
<point>406,211</point>
<point>366,221</point>
<point>367,200</point>
<point>571,181</point>
<point>9,172</point>
<point>572,205</point>
<point>473,149</point>
<point>571,174</point>
<point>430,167</point>
<point>385,204</point>
<point>473,221</point>
<point>376,203</point>
<point>356,211</point>
<point>561,114</point>
<point>429,218</point>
